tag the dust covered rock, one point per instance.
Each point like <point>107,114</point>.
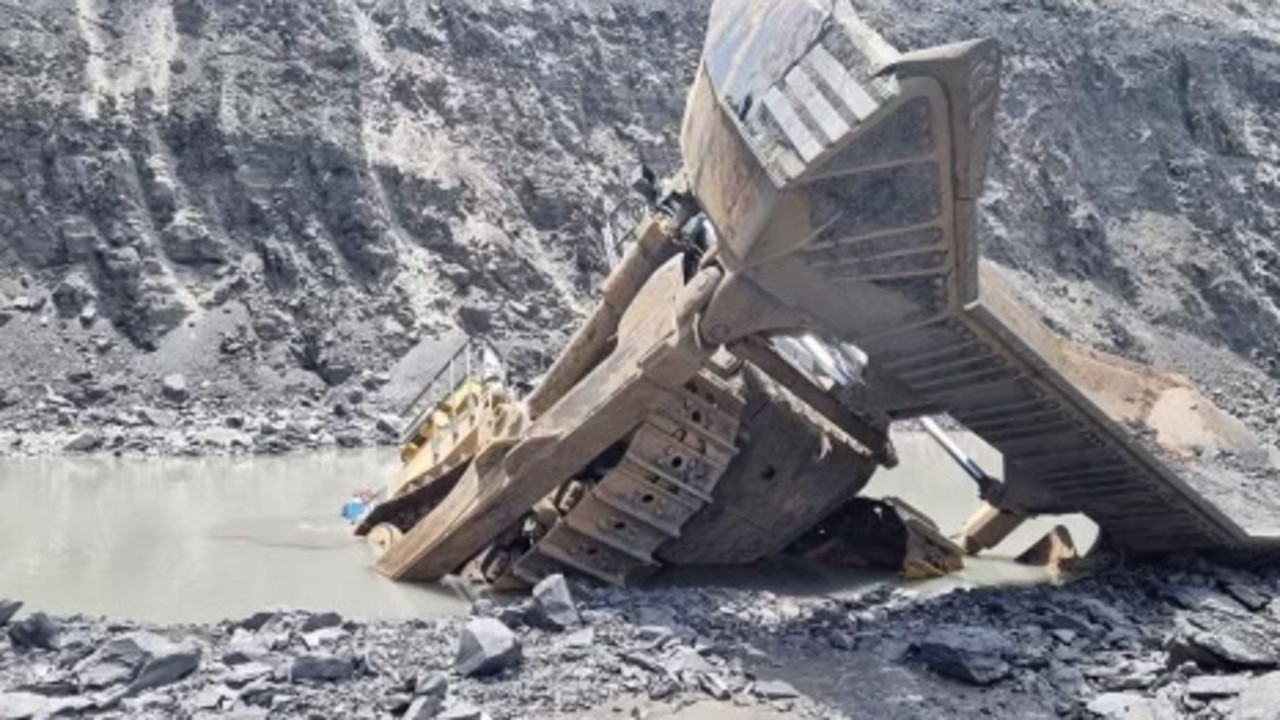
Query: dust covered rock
<point>486,647</point>
<point>552,604</point>
<point>141,661</point>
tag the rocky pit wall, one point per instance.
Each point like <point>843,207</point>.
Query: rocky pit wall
<point>271,205</point>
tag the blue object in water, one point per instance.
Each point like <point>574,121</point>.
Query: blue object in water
<point>353,510</point>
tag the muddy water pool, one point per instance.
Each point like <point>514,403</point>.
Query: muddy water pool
<point>178,540</point>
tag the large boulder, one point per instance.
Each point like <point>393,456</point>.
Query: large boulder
<point>140,660</point>
<point>553,606</point>
<point>73,295</point>
<point>486,647</point>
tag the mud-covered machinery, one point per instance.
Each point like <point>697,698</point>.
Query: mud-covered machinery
<point>811,275</point>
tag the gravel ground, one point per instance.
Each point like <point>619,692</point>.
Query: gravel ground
<point>1187,639</point>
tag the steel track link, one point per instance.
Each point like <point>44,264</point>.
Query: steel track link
<point>670,468</point>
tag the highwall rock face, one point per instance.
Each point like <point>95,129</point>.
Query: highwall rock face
<point>280,199</point>
<point>274,197</point>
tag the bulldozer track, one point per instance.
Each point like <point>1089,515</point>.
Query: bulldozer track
<point>669,471</point>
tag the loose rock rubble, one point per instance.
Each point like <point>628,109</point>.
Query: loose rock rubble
<point>1156,641</point>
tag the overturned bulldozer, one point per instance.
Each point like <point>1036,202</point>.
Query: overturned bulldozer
<point>811,275</point>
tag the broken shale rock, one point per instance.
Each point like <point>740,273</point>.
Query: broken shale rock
<point>487,647</point>
<point>1205,687</point>
<point>22,705</point>
<point>320,621</point>
<point>1250,597</point>
<point>775,690</point>
<point>243,647</point>
<point>37,631</point>
<point>463,711</point>
<point>323,668</point>
<point>970,654</point>
<point>423,707</point>
<point>140,660</point>
<point>1129,706</point>
<point>1217,650</point>
<point>8,608</point>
